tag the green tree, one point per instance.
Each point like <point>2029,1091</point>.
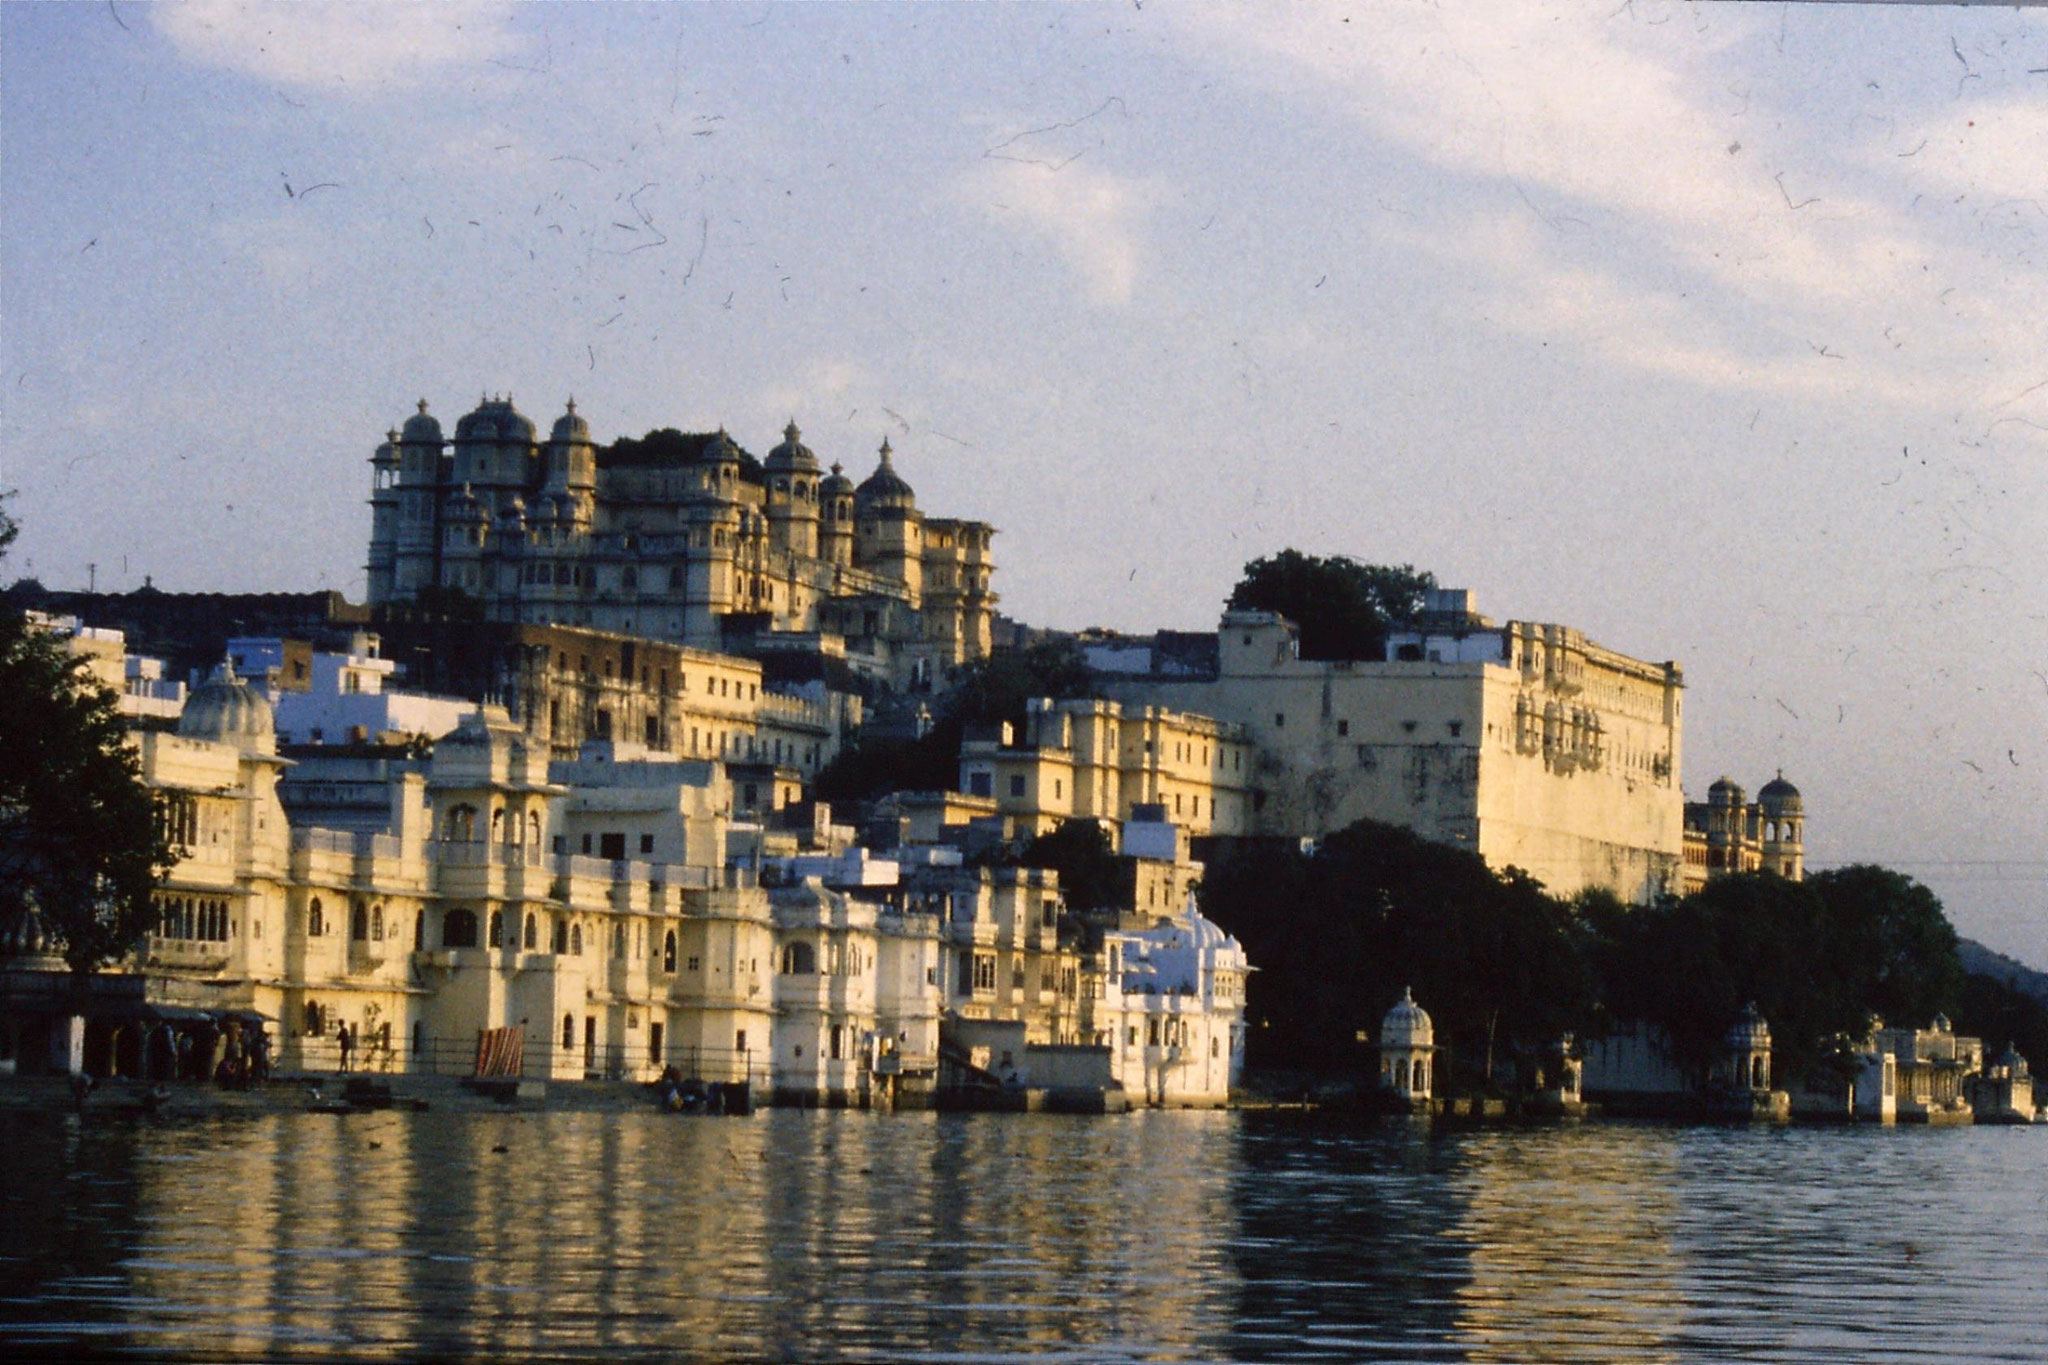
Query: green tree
<point>1336,934</point>
<point>986,692</point>
<point>1343,607</point>
<point>1092,877</point>
<point>80,837</point>
<point>1895,945</point>
<point>1816,957</point>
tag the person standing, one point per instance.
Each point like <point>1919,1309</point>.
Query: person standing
<point>344,1040</point>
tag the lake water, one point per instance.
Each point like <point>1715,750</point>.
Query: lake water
<point>1158,1236</point>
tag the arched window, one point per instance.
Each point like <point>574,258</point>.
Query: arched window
<point>561,936</point>
<point>533,828</point>
<point>1401,1073</point>
<point>316,920</point>
<point>497,927</point>
<point>576,940</point>
<point>461,826</point>
<point>312,1019</point>
<point>458,929</point>
<point>799,959</point>
<point>532,933</point>
<point>359,922</point>
<point>497,824</point>
<point>1756,1072</point>
<point>568,1030</point>
<point>668,952</point>
<point>419,929</point>
<point>377,923</point>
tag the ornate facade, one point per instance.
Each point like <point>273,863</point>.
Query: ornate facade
<point>1727,834</point>
<point>677,537</point>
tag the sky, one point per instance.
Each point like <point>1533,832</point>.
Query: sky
<point>1714,330</point>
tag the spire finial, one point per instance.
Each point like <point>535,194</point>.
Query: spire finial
<point>885,450</point>
<point>423,407</point>
<point>572,405</point>
<point>790,433</point>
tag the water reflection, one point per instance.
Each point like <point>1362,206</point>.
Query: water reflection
<point>1159,1236</point>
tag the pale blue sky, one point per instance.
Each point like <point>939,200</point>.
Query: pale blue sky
<point>1714,330</point>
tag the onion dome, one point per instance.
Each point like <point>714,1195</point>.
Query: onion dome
<point>792,456</point>
<point>885,487</point>
<point>1407,1024</point>
<point>1749,1033</point>
<point>1205,933</point>
<point>836,484</point>
<point>421,429</point>
<point>495,419</point>
<point>1725,792</point>
<point>720,449</point>
<point>226,710</point>
<point>570,427</point>
<point>1780,798</point>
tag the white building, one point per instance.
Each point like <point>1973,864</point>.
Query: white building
<point>1171,1010</point>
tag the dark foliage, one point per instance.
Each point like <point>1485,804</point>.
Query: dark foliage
<point>1092,877</point>
<point>1337,934</point>
<point>79,833</point>
<point>1504,968</point>
<point>667,448</point>
<point>986,692</point>
<point>1343,607</point>
<point>2003,1016</point>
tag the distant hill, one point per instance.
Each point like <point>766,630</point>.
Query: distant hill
<point>1979,959</point>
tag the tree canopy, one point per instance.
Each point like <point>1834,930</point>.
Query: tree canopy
<point>1092,877</point>
<point>1343,607</point>
<point>985,692</point>
<point>1504,968</point>
<point>1337,934</point>
<point>79,833</point>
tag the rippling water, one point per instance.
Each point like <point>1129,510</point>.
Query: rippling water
<point>798,1235</point>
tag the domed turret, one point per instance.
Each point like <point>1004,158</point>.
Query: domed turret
<point>495,420</point>
<point>570,426</point>
<point>1726,791</point>
<point>885,488</point>
<point>422,429</point>
<point>226,710</point>
<point>792,456</point>
<point>1748,1047</point>
<point>721,450</point>
<point>1407,1024</point>
<point>1749,1032</point>
<point>1780,798</point>
<point>1407,1041</point>
<point>836,485</point>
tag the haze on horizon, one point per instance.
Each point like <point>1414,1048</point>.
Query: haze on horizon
<point>1710,329</point>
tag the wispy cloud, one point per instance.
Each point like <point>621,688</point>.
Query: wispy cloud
<point>353,48</point>
<point>1676,225</point>
<point>1092,218</point>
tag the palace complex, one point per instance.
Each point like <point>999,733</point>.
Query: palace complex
<point>619,913</point>
<point>682,538</point>
<point>1525,743</point>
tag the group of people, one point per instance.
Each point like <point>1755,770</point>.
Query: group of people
<point>245,1057</point>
